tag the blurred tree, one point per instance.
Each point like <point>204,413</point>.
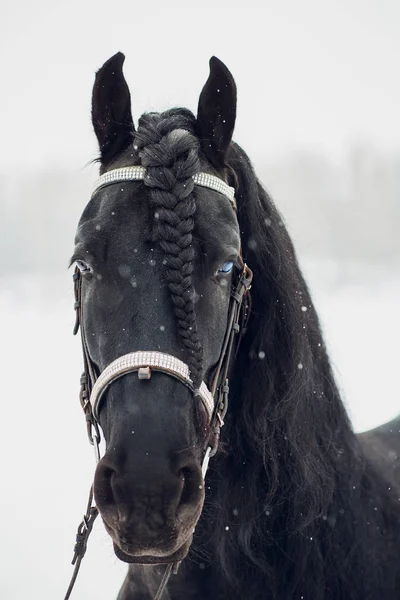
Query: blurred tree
<point>347,211</point>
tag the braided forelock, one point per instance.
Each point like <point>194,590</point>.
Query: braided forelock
<point>170,153</point>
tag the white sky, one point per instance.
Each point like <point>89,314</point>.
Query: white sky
<point>314,74</point>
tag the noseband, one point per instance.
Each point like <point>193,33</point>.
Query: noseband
<point>214,399</point>
<point>144,363</point>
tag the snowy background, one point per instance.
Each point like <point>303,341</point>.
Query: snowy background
<point>318,114</point>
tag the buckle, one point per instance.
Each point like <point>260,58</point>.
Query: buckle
<point>247,276</point>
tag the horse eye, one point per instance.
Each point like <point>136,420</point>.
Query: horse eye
<point>226,267</point>
<point>82,266</point>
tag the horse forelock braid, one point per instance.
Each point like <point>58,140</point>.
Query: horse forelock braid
<point>170,152</point>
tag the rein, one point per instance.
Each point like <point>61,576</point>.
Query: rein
<point>214,399</point>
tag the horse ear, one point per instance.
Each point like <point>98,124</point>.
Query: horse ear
<point>111,109</point>
<point>216,112</point>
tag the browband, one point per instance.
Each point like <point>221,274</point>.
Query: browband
<point>138,173</point>
<point>144,362</point>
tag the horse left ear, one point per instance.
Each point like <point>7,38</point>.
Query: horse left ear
<point>111,109</point>
<point>216,112</point>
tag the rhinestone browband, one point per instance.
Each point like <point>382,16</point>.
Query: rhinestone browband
<point>145,361</point>
<point>138,173</point>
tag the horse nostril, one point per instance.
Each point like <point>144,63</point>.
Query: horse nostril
<point>104,483</point>
<point>192,486</point>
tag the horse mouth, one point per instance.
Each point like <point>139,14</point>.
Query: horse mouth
<point>152,559</point>
<point>157,554</point>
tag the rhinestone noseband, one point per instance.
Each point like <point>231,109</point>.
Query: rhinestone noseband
<point>139,174</point>
<point>144,363</point>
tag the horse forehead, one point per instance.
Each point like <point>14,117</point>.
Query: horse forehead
<point>120,213</point>
<point>216,222</point>
<point>121,218</point>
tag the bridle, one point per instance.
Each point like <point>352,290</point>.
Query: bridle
<point>214,398</point>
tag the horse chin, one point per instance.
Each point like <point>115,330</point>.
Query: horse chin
<point>145,559</point>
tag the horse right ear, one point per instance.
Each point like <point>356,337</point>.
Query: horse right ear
<point>216,112</point>
<point>111,109</point>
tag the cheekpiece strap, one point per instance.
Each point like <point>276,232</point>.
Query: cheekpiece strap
<point>138,173</point>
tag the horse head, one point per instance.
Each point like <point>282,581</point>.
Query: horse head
<point>158,255</point>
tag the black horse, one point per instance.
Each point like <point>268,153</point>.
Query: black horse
<point>294,505</point>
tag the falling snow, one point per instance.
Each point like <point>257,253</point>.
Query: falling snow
<point>124,270</point>
<point>252,244</point>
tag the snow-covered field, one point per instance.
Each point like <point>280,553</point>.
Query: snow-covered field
<point>47,463</point>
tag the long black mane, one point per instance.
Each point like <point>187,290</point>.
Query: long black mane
<point>293,507</point>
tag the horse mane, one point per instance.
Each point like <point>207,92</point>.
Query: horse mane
<point>291,499</point>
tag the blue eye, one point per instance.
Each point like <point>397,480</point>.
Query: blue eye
<point>226,267</point>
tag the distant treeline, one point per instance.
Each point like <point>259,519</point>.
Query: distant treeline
<point>347,210</point>
<point>341,210</point>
